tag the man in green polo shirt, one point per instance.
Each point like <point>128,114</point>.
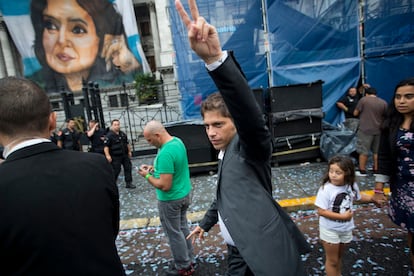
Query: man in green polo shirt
<point>170,176</point>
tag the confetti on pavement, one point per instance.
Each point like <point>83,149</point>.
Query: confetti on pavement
<point>379,247</point>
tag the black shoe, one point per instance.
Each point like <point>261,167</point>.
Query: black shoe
<point>172,271</point>
<point>130,186</point>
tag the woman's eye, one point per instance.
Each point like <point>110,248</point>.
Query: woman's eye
<point>49,25</point>
<point>79,30</point>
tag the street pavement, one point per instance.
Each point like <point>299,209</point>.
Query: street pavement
<point>379,247</point>
<point>297,181</point>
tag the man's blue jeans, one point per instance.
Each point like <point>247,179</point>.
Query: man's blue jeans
<point>173,216</point>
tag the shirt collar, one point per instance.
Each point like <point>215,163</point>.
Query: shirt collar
<point>221,154</point>
<point>26,143</point>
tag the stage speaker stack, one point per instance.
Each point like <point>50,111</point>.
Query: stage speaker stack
<point>295,120</point>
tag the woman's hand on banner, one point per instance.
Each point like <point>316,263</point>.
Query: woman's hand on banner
<point>116,53</point>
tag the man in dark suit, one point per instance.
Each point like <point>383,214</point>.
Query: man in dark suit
<point>261,237</point>
<point>59,209</point>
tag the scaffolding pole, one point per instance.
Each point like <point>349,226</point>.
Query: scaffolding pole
<point>267,45</point>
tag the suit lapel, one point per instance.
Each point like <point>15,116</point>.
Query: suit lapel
<point>227,156</point>
<point>219,165</point>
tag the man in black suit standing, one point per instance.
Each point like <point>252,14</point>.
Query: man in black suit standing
<point>59,209</point>
<point>261,238</point>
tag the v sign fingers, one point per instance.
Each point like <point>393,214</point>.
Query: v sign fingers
<point>202,36</point>
<point>193,9</point>
<point>183,14</point>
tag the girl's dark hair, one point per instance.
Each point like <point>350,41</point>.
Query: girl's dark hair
<point>393,119</point>
<point>346,164</point>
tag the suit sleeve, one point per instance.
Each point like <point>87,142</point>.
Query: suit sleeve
<point>210,218</point>
<point>115,216</point>
<point>255,137</point>
<point>114,194</point>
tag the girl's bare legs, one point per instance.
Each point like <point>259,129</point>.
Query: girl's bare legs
<point>342,247</point>
<point>333,256</point>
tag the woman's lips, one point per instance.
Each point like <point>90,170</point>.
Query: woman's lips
<point>64,57</point>
<point>401,107</point>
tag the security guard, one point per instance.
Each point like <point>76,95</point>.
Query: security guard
<point>69,138</point>
<point>96,137</point>
<point>118,152</point>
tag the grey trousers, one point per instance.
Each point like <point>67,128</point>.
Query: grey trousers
<point>173,216</point>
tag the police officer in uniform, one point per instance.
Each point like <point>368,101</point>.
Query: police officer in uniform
<point>118,152</point>
<point>69,137</point>
<point>96,136</point>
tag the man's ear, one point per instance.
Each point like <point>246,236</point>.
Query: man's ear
<point>52,121</point>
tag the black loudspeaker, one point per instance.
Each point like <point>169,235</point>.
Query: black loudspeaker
<point>296,109</point>
<point>296,97</point>
<point>296,121</point>
<point>201,154</point>
<point>298,127</point>
<point>293,148</point>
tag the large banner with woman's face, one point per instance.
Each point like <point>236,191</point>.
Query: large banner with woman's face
<point>65,43</point>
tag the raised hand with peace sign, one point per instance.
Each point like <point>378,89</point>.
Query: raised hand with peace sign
<point>202,36</point>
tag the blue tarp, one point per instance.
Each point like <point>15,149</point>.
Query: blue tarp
<point>389,49</point>
<point>240,26</point>
<point>385,72</point>
<point>305,41</point>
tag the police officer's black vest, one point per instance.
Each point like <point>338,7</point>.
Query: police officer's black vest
<point>70,139</point>
<point>118,143</point>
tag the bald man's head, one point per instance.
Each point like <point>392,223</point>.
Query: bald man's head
<point>154,127</point>
<point>156,134</point>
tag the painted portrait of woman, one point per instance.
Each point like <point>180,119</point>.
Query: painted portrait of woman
<point>80,41</point>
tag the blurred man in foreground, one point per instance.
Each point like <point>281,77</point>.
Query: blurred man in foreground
<point>59,208</point>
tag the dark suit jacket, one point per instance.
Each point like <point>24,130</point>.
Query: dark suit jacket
<point>266,237</point>
<point>59,213</point>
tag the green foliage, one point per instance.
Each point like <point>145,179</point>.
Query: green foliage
<point>146,88</point>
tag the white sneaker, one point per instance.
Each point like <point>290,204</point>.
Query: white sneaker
<point>361,173</point>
